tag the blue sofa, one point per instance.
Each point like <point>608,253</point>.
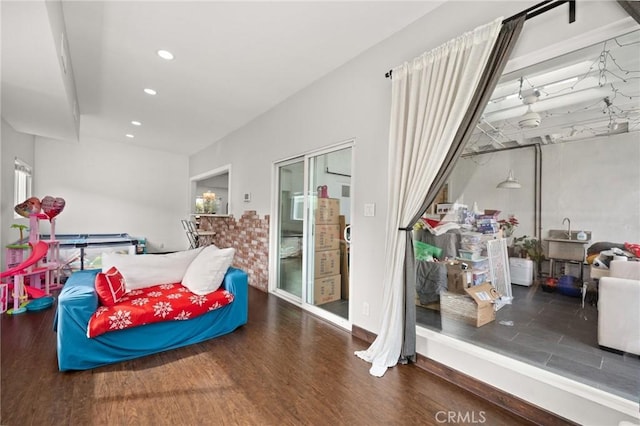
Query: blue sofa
<point>78,300</point>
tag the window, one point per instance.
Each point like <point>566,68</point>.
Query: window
<point>22,183</point>
<point>553,318</point>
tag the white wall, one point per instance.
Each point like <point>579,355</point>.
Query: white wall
<point>111,187</point>
<point>353,102</point>
<point>13,144</point>
<point>594,182</point>
<point>474,179</point>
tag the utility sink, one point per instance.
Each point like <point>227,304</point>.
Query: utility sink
<point>567,247</point>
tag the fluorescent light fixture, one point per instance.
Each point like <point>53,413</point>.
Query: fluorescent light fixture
<point>558,83</point>
<point>136,123</point>
<point>165,54</point>
<point>130,136</point>
<point>509,183</point>
<point>150,91</point>
<point>504,98</point>
<point>550,103</point>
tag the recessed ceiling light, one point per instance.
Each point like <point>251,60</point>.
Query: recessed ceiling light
<point>136,123</point>
<point>165,54</point>
<point>150,91</point>
<point>130,136</point>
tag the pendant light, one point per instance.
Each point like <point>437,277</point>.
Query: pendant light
<point>510,182</point>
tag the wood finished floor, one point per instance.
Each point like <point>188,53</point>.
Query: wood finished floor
<point>285,367</point>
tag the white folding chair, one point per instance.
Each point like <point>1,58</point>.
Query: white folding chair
<point>192,233</point>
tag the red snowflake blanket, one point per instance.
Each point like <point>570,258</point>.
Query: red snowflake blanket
<point>166,302</point>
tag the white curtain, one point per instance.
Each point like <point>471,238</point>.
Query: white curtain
<point>430,97</point>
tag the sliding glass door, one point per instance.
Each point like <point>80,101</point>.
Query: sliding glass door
<point>314,209</point>
<point>290,226</point>
<point>329,186</point>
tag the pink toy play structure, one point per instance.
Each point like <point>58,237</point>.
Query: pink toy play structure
<point>43,261</point>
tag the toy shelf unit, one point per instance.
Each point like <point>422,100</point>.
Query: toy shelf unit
<point>39,273</point>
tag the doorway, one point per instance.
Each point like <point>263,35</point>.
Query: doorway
<point>216,182</point>
<point>313,211</point>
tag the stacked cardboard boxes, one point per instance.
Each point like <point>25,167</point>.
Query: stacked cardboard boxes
<point>327,281</point>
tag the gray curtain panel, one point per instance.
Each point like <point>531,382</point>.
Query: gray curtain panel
<point>632,8</point>
<point>502,49</point>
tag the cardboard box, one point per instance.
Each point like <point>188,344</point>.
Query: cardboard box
<point>327,211</point>
<point>327,237</point>
<point>343,224</point>
<point>326,289</point>
<point>327,263</point>
<point>475,308</point>
<point>458,279</point>
<point>344,270</point>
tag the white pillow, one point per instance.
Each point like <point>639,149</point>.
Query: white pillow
<point>206,272</point>
<point>145,270</point>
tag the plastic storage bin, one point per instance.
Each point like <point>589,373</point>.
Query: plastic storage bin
<point>521,271</point>
<point>481,263</point>
<point>479,277</point>
<point>567,286</point>
<point>469,254</point>
<point>471,241</point>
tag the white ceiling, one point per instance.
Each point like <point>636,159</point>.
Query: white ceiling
<point>236,60</point>
<point>233,62</point>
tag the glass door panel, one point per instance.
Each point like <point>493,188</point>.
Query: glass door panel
<point>327,257</point>
<point>290,226</point>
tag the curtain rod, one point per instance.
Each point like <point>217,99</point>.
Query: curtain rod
<point>532,12</point>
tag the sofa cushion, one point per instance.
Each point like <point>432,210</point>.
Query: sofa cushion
<point>625,269</point>
<point>110,286</point>
<point>145,270</point>
<point>206,272</point>
<point>618,313</point>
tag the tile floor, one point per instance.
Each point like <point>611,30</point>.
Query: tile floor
<point>551,331</point>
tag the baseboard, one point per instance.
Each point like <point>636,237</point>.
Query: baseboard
<point>502,399</point>
<point>363,334</point>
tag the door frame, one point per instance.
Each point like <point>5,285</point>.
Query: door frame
<point>274,232</point>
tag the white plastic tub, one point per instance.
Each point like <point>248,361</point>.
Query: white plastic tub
<point>521,271</point>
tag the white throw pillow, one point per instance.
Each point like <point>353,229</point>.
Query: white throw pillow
<point>146,270</point>
<point>206,272</point>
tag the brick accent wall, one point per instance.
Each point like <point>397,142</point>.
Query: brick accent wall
<point>250,237</point>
